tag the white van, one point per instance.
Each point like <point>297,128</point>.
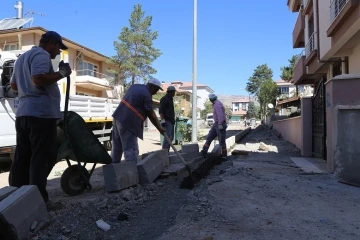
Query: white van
<point>209,120</point>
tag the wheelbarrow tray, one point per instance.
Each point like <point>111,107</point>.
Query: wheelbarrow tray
<point>81,144</point>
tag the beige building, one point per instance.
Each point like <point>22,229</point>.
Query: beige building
<point>328,32</point>
<point>90,75</point>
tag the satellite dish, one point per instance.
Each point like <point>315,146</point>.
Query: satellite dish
<point>270,106</point>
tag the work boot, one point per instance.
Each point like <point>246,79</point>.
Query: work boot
<point>203,154</point>
<point>53,206</point>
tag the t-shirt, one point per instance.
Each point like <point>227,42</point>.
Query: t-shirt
<point>42,102</point>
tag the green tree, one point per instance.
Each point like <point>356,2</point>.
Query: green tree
<point>287,72</point>
<point>251,112</point>
<point>260,75</point>
<point>207,109</point>
<point>228,113</point>
<point>135,52</point>
<point>267,94</point>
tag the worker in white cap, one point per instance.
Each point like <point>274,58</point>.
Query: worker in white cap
<point>167,115</point>
<point>219,127</point>
<point>129,117</point>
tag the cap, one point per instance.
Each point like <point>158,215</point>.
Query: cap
<point>212,96</point>
<point>171,88</point>
<point>155,82</point>
<point>54,35</point>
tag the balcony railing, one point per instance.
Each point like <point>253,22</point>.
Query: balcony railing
<point>310,45</point>
<point>95,74</point>
<point>336,6</point>
<point>299,57</point>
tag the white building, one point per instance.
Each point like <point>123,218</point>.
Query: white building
<point>240,104</point>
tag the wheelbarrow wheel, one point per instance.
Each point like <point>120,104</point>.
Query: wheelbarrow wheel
<point>72,181</point>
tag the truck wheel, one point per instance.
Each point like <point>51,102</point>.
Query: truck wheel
<point>72,182</point>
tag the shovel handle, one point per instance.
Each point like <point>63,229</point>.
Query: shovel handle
<point>175,150</point>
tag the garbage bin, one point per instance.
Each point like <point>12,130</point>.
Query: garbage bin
<point>178,137</point>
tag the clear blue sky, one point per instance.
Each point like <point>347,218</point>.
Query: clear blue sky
<point>234,36</point>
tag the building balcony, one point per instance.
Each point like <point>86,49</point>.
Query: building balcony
<point>301,75</point>
<point>308,7</point>
<point>93,80</point>
<point>310,49</point>
<point>342,16</point>
<point>294,5</point>
<point>298,33</point>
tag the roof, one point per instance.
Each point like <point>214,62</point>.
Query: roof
<point>239,113</point>
<point>283,82</point>
<point>245,100</point>
<point>166,85</point>
<point>292,99</point>
<point>183,85</point>
<point>40,30</point>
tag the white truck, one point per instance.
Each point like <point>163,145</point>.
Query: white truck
<point>96,111</point>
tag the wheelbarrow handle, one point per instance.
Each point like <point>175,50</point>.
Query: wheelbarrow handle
<point>66,107</point>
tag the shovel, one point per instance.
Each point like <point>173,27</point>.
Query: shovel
<point>190,181</point>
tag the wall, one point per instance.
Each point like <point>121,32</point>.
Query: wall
<point>354,60</point>
<point>202,95</point>
<point>324,23</point>
<point>290,130</point>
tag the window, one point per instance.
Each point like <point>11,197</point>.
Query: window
<point>11,47</point>
<point>284,90</point>
<point>243,106</point>
<point>85,94</point>
<point>87,69</point>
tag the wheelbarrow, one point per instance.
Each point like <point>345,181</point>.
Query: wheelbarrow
<point>77,142</point>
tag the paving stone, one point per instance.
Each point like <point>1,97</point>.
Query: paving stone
<point>6,191</point>
<point>21,209</point>
<point>192,148</point>
<point>152,166</point>
<point>173,157</point>
<point>120,175</point>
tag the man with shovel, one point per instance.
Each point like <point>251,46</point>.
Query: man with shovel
<point>219,127</point>
<point>129,117</point>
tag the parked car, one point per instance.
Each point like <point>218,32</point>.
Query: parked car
<point>209,120</point>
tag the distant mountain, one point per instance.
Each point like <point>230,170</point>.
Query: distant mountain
<point>228,99</point>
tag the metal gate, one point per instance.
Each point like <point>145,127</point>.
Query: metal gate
<point>319,122</point>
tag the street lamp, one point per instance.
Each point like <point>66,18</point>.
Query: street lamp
<point>194,73</point>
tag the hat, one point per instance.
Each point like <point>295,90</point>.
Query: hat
<point>53,35</point>
<point>212,96</point>
<point>155,82</point>
<point>171,88</point>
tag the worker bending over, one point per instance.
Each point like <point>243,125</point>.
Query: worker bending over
<point>167,115</point>
<point>219,127</point>
<point>129,117</point>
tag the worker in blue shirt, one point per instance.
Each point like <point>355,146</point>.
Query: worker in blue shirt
<point>35,81</point>
<point>167,115</point>
<point>129,117</point>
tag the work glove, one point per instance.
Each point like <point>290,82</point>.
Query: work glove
<point>64,69</point>
<point>220,127</point>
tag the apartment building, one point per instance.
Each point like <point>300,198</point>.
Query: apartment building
<point>240,104</point>
<point>327,33</point>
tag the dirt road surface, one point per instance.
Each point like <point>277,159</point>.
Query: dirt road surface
<point>260,196</point>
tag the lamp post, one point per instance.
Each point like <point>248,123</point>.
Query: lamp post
<point>194,75</point>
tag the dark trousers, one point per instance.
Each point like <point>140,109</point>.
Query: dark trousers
<point>213,133</point>
<point>35,154</point>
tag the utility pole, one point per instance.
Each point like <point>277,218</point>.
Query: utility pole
<point>194,75</point>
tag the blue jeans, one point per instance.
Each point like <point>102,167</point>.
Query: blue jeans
<point>169,127</point>
<point>123,141</point>
<point>213,133</point>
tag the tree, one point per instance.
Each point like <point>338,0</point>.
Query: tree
<point>207,109</point>
<point>267,94</point>
<point>251,112</point>
<point>287,72</point>
<point>228,113</point>
<point>135,52</point>
<point>260,75</point>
